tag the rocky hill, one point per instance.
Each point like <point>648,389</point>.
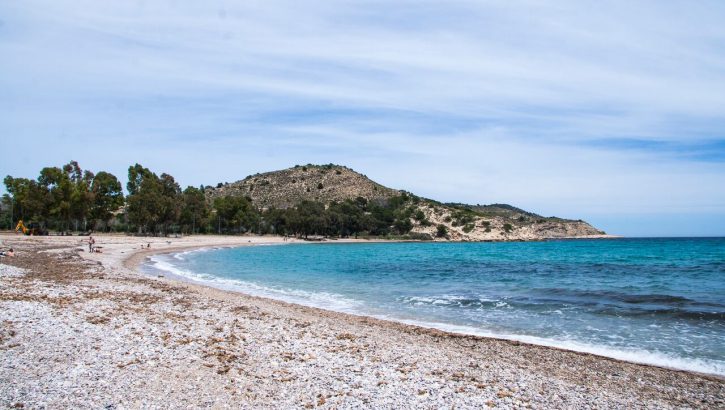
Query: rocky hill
<point>321,183</point>
<point>429,219</point>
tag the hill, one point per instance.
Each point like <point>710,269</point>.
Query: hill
<point>288,187</point>
<point>408,215</point>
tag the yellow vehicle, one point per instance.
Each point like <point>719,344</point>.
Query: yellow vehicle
<point>33,228</point>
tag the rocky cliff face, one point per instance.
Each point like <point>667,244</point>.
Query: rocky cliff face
<point>322,183</point>
<point>327,183</point>
<point>498,225</point>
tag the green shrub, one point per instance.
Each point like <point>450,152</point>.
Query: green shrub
<point>468,228</point>
<point>507,227</point>
<point>420,236</point>
<point>441,231</point>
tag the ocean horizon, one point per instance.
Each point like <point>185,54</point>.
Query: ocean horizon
<point>658,301</point>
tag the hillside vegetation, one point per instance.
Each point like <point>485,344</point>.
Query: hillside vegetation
<point>307,201</point>
<point>338,201</point>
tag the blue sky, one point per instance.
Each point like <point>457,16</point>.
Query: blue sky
<point>613,112</point>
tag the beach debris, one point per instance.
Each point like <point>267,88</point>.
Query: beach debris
<point>346,336</point>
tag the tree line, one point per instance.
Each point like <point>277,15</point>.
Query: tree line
<point>68,199</point>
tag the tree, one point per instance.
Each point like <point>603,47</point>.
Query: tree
<point>69,196</point>
<point>107,197</point>
<point>60,191</point>
<point>309,219</point>
<point>170,201</point>
<point>441,231</point>
<point>236,214</point>
<point>194,210</point>
<point>145,199</point>
<point>136,174</point>
<point>28,199</point>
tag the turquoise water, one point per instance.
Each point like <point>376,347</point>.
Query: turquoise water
<point>657,301</point>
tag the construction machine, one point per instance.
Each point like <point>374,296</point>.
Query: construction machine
<point>33,228</point>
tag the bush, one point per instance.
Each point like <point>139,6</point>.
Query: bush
<point>507,227</point>
<point>468,228</point>
<point>441,231</point>
<point>420,236</point>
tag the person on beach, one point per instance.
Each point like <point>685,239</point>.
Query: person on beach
<point>91,242</point>
<point>10,252</point>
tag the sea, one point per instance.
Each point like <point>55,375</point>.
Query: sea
<point>658,301</point>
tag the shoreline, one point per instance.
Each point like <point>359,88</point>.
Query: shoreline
<point>135,263</point>
<point>146,341</point>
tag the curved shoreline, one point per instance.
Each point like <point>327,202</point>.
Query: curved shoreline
<point>78,326</point>
<point>134,262</point>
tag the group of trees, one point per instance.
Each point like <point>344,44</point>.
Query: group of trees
<point>346,218</point>
<point>68,198</point>
<point>64,198</point>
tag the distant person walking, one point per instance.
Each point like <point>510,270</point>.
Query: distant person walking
<point>91,242</point>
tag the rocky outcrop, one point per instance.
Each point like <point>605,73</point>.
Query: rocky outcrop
<point>497,226</point>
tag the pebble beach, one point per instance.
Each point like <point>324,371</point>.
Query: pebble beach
<point>88,330</point>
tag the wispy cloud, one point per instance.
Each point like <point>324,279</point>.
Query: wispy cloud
<point>577,108</point>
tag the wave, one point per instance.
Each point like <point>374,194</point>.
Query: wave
<point>340,303</point>
<point>700,315</point>
<point>629,355</point>
<point>182,255</point>
<point>323,300</point>
<point>680,307</point>
<point>631,298</point>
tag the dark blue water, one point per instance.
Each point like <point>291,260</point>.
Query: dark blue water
<point>658,301</point>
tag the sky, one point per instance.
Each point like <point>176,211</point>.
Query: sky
<point>608,111</point>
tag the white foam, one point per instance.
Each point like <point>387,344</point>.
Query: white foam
<point>339,303</point>
<point>325,300</point>
<point>629,355</point>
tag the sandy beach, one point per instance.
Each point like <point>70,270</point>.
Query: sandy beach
<point>82,330</point>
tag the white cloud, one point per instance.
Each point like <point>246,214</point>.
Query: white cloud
<point>471,101</point>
